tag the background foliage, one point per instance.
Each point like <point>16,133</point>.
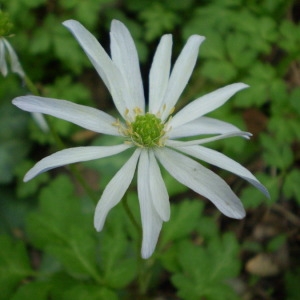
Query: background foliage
<point>49,249</point>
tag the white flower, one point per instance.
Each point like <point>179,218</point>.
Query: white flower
<point>13,58</point>
<point>152,133</point>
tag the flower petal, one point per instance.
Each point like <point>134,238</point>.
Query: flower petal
<point>124,55</point>
<point>205,104</point>
<point>160,73</point>
<point>158,189</point>
<point>15,64</point>
<point>222,161</point>
<point>202,125</point>
<point>107,70</point>
<point>202,181</point>
<point>72,155</point>
<point>151,221</point>
<point>115,190</point>
<point>173,143</point>
<point>84,116</point>
<point>181,73</point>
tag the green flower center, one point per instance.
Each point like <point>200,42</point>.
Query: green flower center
<point>146,131</point>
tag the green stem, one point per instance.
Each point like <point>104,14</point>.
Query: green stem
<point>132,219</point>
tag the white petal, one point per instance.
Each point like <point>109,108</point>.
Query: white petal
<point>220,160</point>
<point>160,73</point>
<point>3,65</point>
<point>124,55</point>
<point>205,104</point>
<point>181,73</point>
<point>173,143</point>
<point>107,70</point>
<point>115,190</point>
<point>15,64</point>
<point>202,181</point>
<point>158,189</point>
<point>72,155</point>
<point>202,125</point>
<point>151,221</point>
<point>41,121</point>
<point>84,116</point>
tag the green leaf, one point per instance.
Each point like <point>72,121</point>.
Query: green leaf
<point>14,265</point>
<point>61,229</point>
<point>219,71</point>
<point>238,50</point>
<point>295,99</point>
<point>184,218</point>
<point>36,290</point>
<point>29,188</point>
<point>274,154</point>
<point>90,292</point>
<point>158,19</point>
<point>205,267</point>
<point>252,198</point>
<point>14,144</point>
<point>292,279</point>
<point>275,243</point>
<point>259,79</point>
<point>118,269</point>
<point>291,187</point>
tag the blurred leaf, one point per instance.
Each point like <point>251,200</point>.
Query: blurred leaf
<point>31,187</point>
<point>274,154</point>
<point>295,99</point>
<point>13,141</point>
<point>219,71</point>
<point>259,81</point>
<point>238,50</point>
<point>207,267</point>
<point>158,20</point>
<point>184,218</point>
<point>14,265</point>
<point>119,270</point>
<point>292,279</point>
<point>252,198</point>
<point>289,36</point>
<point>61,229</point>
<point>291,186</point>
<point>275,243</point>
<point>90,292</point>
<point>33,290</point>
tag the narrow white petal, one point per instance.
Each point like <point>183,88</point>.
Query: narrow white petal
<point>222,161</point>
<point>205,104</point>
<point>3,65</point>
<point>15,64</point>
<point>202,181</point>
<point>151,220</point>
<point>158,189</point>
<point>41,121</point>
<point>181,73</point>
<point>125,56</point>
<point>105,67</point>
<point>72,155</point>
<point>115,190</point>
<point>202,125</point>
<point>173,143</point>
<point>160,73</point>
<point>84,116</point>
